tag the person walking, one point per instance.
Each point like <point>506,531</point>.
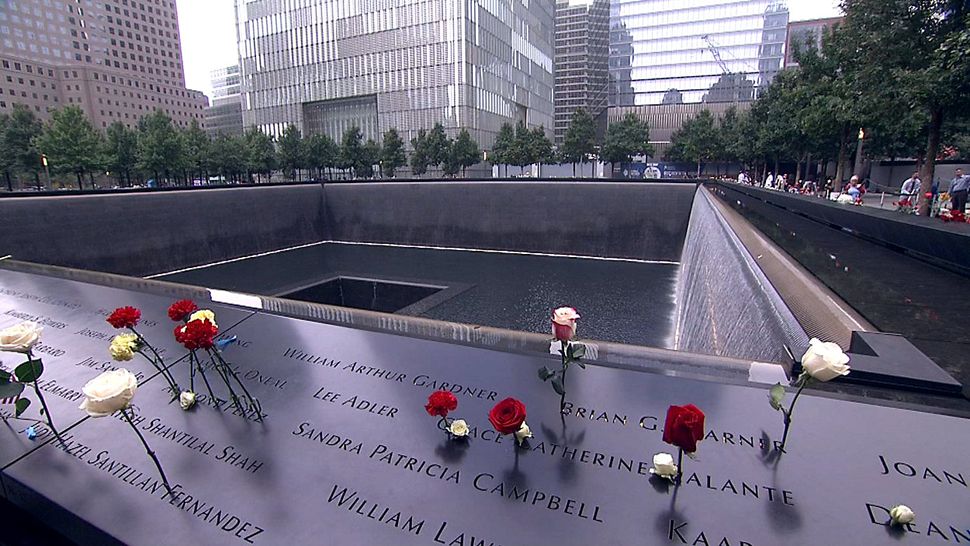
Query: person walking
<point>959,187</point>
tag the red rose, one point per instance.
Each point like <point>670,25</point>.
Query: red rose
<point>507,416</point>
<point>181,309</point>
<point>196,334</point>
<point>440,403</point>
<point>684,427</point>
<point>124,317</point>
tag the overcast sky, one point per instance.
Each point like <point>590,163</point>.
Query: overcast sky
<point>209,34</point>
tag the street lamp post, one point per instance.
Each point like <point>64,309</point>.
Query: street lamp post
<point>47,170</point>
<point>857,168</point>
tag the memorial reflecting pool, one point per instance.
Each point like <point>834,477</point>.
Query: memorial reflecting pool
<point>621,301</point>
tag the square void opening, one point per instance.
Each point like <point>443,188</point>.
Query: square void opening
<point>371,294</point>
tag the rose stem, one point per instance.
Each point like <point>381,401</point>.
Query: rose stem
<point>680,464</point>
<point>791,408</point>
<point>205,379</point>
<point>218,364</point>
<point>148,450</point>
<point>253,403</point>
<point>562,375</point>
<point>43,403</point>
<point>444,423</point>
<point>161,363</point>
<point>171,387</point>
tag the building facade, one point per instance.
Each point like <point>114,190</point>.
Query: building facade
<point>325,65</point>
<point>116,59</point>
<point>683,49</point>
<point>581,61</point>
<point>224,116</point>
<point>803,34</point>
<point>666,119</point>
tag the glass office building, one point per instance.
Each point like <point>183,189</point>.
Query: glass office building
<point>325,65</point>
<point>671,51</point>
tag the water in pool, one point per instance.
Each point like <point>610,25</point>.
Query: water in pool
<point>626,302</point>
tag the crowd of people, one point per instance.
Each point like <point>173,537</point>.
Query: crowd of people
<point>854,191</point>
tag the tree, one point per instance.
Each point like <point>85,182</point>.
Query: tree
<point>160,149</point>
<point>370,156</point>
<point>419,157</point>
<point>392,153</point>
<point>625,139</point>
<point>71,144</point>
<point>504,144</point>
<point>230,156</point>
<point>198,151</point>
<point>465,151</point>
<point>20,134</point>
<point>259,154</point>
<point>351,150</point>
<point>438,146</point>
<point>322,152</point>
<point>292,151</point>
<point>6,161</point>
<point>451,166</point>
<point>580,140</point>
<point>522,151</point>
<point>121,151</point>
<point>913,53</point>
<point>541,146</point>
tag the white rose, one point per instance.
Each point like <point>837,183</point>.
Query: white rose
<point>187,400</point>
<point>663,466</point>
<point>458,428</point>
<point>109,392</point>
<point>204,314</point>
<point>564,323</point>
<point>825,361</point>
<point>901,515</point>
<point>123,347</point>
<point>20,338</point>
<point>523,433</point>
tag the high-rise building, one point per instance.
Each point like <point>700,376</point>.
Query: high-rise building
<point>224,116</point>
<point>116,59</point>
<point>804,34</point>
<point>582,60</point>
<point>325,65</point>
<point>658,47</point>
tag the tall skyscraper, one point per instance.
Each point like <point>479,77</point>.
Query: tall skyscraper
<point>116,59</point>
<point>582,60</point>
<point>804,34</point>
<point>325,65</point>
<point>224,116</point>
<point>661,46</point>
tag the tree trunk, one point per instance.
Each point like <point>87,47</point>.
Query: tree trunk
<point>798,170</point>
<point>929,168</point>
<point>9,182</point>
<point>80,182</point>
<point>840,162</point>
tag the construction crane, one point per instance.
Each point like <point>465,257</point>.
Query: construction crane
<point>717,54</point>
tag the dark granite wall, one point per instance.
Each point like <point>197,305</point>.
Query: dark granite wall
<point>146,233</point>
<point>617,220</point>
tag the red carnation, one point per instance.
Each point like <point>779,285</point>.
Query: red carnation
<point>440,403</point>
<point>124,317</point>
<point>182,309</point>
<point>196,334</point>
<point>507,416</point>
<point>684,427</point>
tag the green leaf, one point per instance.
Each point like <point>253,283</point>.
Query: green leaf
<point>29,371</point>
<point>581,365</point>
<point>557,386</point>
<point>577,350</point>
<point>776,395</point>
<point>10,390</point>
<point>5,376</point>
<point>22,405</point>
<point>545,373</point>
